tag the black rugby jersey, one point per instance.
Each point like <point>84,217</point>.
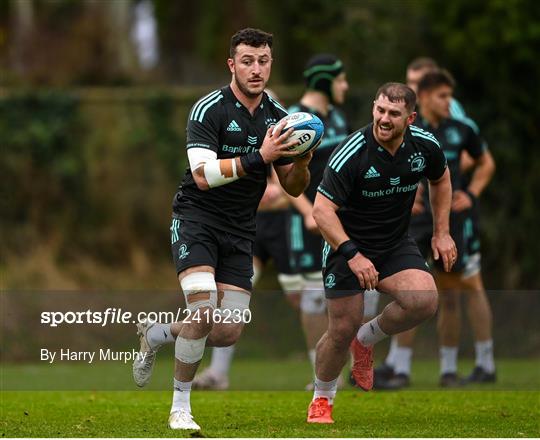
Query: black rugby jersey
<point>375,190</point>
<point>335,131</point>
<point>454,136</point>
<point>222,124</point>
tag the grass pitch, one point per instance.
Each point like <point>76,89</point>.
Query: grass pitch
<point>511,408</point>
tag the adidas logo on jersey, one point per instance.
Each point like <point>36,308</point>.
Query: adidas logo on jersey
<point>372,172</point>
<point>233,126</point>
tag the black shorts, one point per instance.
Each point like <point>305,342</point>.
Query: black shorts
<point>305,247</point>
<point>473,232</point>
<point>271,239</point>
<point>461,231</point>
<point>196,244</point>
<point>473,264</point>
<point>340,281</point>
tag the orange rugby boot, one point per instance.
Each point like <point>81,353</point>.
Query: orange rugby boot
<point>320,411</point>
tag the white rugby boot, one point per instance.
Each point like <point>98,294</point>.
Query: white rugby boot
<point>183,419</point>
<point>142,367</point>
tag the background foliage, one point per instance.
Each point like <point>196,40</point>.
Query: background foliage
<point>92,143</point>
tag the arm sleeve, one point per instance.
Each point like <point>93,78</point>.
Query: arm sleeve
<point>437,162</point>
<point>203,134</point>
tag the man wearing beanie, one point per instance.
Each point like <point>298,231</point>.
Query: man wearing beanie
<point>326,86</point>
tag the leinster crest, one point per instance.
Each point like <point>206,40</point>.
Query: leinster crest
<point>418,162</point>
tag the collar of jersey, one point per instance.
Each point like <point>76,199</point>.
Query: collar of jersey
<point>381,151</point>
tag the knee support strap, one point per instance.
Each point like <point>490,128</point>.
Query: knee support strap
<point>200,290</point>
<point>235,300</point>
<point>189,351</point>
<point>291,283</point>
<point>371,303</point>
<point>313,301</point>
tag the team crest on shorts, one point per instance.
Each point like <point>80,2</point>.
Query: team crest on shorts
<point>330,281</point>
<point>183,252</point>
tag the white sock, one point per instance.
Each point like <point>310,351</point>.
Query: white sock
<point>403,360</point>
<point>370,333</point>
<point>221,360</point>
<point>448,358</point>
<point>182,391</point>
<point>159,334</point>
<point>391,356</point>
<point>484,355</point>
<point>312,353</point>
<point>325,389</point>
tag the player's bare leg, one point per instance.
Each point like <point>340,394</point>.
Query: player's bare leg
<point>415,300</point>
<point>202,300</point>
<point>216,375</point>
<point>344,319</point>
<point>480,317</point>
<point>448,326</point>
<point>313,315</point>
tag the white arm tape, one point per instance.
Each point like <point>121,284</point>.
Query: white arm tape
<point>217,172</point>
<point>199,156</point>
<point>220,172</point>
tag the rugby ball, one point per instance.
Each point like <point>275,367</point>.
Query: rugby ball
<point>308,129</point>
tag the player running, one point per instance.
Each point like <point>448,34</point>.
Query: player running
<point>230,146</point>
<point>363,208</point>
<point>458,137</point>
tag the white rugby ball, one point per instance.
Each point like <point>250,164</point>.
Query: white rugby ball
<point>308,129</point>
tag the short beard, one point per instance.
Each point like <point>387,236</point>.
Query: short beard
<point>395,134</point>
<point>246,91</point>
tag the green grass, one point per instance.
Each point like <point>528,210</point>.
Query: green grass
<point>246,375</point>
<point>509,408</point>
<point>273,414</point>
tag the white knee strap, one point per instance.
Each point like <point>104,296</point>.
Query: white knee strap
<point>200,290</point>
<point>314,277</point>
<point>371,303</point>
<point>313,301</point>
<point>189,351</point>
<point>235,300</point>
<point>291,283</point>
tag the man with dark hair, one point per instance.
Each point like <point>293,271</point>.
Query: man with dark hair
<point>326,87</point>
<point>250,37</point>
<point>362,208</point>
<point>434,94</point>
<point>270,244</point>
<point>395,371</point>
<point>230,145</point>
